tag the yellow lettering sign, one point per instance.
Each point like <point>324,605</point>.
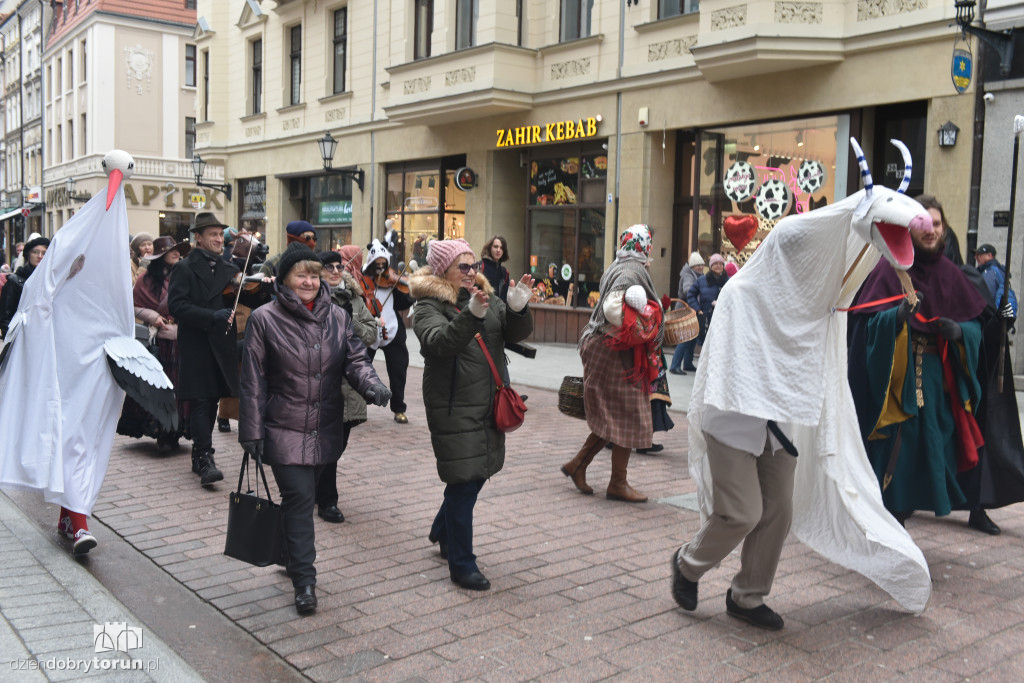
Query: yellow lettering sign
<point>520,136</point>
<point>580,131</point>
<point>536,134</point>
<point>549,132</point>
<point>129,194</point>
<point>148,193</point>
<point>501,138</point>
<point>591,126</point>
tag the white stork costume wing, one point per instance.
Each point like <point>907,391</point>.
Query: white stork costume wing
<point>777,351</point>
<point>70,345</point>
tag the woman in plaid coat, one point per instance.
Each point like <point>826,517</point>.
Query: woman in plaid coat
<point>620,347</point>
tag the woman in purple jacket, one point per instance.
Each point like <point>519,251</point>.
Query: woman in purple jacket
<point>298,350</point>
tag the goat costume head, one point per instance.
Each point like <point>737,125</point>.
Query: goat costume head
<point>884,217</point>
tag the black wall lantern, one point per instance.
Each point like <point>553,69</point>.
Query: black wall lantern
<point>328,145</point>
<point>947,134</point>
<point>198,166</point>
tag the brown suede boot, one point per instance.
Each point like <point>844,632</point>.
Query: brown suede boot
<point>618,488</point>
<point>576,469</point>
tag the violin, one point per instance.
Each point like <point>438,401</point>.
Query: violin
<point>392,278</point>
<point>248,283</point>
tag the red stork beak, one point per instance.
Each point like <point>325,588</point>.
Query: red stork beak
<point>113,184</point>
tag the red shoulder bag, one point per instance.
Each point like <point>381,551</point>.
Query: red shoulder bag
<point>509,409</point>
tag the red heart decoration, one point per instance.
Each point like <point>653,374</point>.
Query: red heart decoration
<point>740,230</point>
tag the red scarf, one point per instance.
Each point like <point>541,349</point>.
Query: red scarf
<point>968,436</point>
<point>639,332</point>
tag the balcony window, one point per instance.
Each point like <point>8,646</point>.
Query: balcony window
<point>576,19</point>
<point>424,26</point>
<point>340,48</point>
<point>295,63</point>
<point>190,65</point>
<point>673,8</point>
<point>190,136</point>
<point>257,76</point>
<point>466,13</point>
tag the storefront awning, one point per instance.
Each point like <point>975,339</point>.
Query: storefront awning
<point>9,214</point>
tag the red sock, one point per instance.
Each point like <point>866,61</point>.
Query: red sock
<point>70,522</point>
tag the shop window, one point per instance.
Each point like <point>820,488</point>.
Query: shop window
<point>175,224</point>
<point>329,209</point>
<point>340,48</point>
<point>423,27</point>
<point>256,73</point>
<point>190,65</point>
<point>466,13</point>
<point>425,203</point>
<point>295,65</point>
<point>906,122</point>
<point>566,216</point>
<point>252,210</point>
<point>576,16</point>
<point>673,8</point>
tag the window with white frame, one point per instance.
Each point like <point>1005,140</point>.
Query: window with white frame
<point>674,8</point>
<point>190,65</point>
<point>206,85</point>
<point>340,48</point>
<point>423,26</point>
<point>576,16</point>
<point>466,13</point>
<point>256,73</point>
<point>295,65</point>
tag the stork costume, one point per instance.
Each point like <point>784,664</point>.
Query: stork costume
<point>69,348</point>
<point>774,365</point>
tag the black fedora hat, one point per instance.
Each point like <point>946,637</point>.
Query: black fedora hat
<point>205,220</point>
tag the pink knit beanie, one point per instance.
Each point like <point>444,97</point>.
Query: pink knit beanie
<point>442,254</point>
<point>716,258</point>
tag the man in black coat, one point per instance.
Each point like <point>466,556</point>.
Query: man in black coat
<point>207,338</point>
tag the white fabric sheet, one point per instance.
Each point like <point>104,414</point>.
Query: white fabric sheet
<point>59,404</point>
<point>776,350</point>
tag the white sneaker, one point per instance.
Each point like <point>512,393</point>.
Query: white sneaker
<point>84,542</point>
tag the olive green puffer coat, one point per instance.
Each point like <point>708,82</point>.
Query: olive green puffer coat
<point>458,387</point>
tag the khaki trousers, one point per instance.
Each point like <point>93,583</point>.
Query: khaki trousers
<point>753,501</point>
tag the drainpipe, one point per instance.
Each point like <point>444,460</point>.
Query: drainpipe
<point>977,151</point>
<point>373,114</point>
<point>618,115</point>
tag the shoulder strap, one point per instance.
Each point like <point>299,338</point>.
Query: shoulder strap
<point>490,361</point>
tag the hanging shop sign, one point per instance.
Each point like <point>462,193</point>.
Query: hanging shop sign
<point>558,131</point>
<point>962,66</point>
<point>197,200</point>
<point>335,212</point>
<point>465,178</point>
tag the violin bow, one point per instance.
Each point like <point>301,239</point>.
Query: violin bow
<point>238,294</point>
<point>406,266</point>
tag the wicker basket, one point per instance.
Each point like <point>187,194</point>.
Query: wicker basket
<point>681,325</point>
<point>570,397</point>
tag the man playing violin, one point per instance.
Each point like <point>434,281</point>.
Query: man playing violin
<point>200,296</point>
<point>387,294</point>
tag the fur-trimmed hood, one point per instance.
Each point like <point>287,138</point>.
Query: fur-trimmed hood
<point>350,282</point>
<point>423,284</point>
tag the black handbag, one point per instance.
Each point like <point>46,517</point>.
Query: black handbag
<point>255,525</point>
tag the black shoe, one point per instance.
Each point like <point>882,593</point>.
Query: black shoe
<point>980,520</point>
<point>223,424</point>
<point>690,368</point>
<point>677,372</point>
<point>761,616</point>
<point>305,599</point>
<point>441,546</point>
<point>523,397</point>
<point>474,581</point>
<point>655,448</point>
<point>683,590</point>
<point>205,467</point>
<point>330,513</point>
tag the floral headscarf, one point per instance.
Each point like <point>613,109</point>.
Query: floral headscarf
<point>635,243</point>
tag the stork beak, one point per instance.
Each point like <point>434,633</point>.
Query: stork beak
<point>113,184</point>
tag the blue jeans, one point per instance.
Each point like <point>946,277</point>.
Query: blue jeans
<point>683,355</point>
<point>453,525</point>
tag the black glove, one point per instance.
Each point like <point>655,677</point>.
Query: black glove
<point>1007,311</point>
<point>949,329</point>
<point>220,318</point>
<point>378,394</point>
<point>254,448</point>
<point>905,310</point>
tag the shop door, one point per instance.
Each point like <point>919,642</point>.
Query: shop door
<point>696,209</point>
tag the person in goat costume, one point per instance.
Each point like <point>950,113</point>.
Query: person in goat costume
<point>771,383</point>
<point>69,357</point>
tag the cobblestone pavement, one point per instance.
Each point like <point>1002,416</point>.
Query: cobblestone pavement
<point>580,584</point>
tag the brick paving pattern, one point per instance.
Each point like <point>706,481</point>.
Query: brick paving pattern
<point>580,584</point>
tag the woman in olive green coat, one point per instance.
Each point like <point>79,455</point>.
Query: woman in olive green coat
<point>454,302</point>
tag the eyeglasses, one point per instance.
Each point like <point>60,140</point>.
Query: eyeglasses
<point>334,267</point>
<point>464,268</point>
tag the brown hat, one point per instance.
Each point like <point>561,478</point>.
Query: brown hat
<point>164,244</point>
<point>205,220</point>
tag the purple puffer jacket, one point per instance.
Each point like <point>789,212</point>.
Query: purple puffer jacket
<point>292,369</point>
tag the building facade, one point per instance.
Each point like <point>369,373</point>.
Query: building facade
<point>122,75</point>
<point>556,124</point>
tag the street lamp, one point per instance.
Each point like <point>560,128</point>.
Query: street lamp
<point>328,145</point>
<point>198,166</point>
<point>1001,41</point>
<point>69,184</point>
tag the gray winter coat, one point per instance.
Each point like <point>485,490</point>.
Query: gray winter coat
<point>458,387</point>
<point>294,364</point>
<point>350,297</point>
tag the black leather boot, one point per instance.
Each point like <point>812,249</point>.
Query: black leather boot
<point>205,467</point>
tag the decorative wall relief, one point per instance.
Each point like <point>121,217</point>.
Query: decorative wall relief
<point>728,17</point>
<point>798,12</point>
<point>334,114</point>
<point>252,131</point>
<point>670,48</point>
<point>873,9</point>
<point>466,75</point>
<point>139,66</point>
<point>415,85</point>
<point>570,69</point>
<point>290,124</point>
